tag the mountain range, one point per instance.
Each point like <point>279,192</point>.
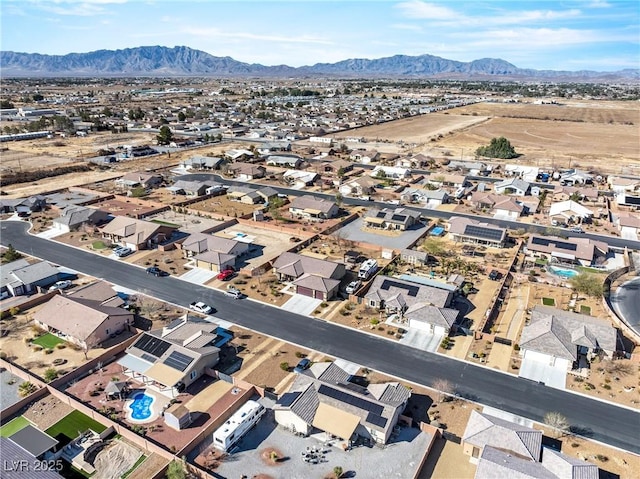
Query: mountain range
<point>158,61</point>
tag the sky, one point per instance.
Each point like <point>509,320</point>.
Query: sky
<point>601,35</point>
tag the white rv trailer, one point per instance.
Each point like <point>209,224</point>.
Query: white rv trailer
<point>367,269</point>
<point>237,425</point>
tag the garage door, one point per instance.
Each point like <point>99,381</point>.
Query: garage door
<point>540,368</point>
<point>304,291</point>
<point>319,295</point>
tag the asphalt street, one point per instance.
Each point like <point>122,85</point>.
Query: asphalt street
<point>601,421</point>
<point>626,302</point>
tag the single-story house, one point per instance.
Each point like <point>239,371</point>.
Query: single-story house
<point>563,340</point>
<point>136,234</point>
<point>474,168</point>
<point>363,186</point>
<point>313,207</point>
<point>73,218</point>
<point>323,397</point>
<point>139,178</point>
<point>628,224</point>
<point>335,166</point>
<point>214,253</point>
<point>84,322</point>
<point>573,177</point>
<point>427,317</point>
<point>239,154</point>
<point>247,171</point>
<point>569,212</point>
<point>581,251</point>
<point>525,172</point>
<point>99,291</point>
<point>190,188</point>
<point>429,198</point>
<point>300,179</point>
<point>311,276</point>
<point>564,193</point>
<point>172,358</point>
<point>466,230</point>
<point>632,201</point>
<point>391,219</point>
<point>623,185</point>
<point>364,156</point>
<point>23,205</point>
<point>396,295</point>
<point>486,430</point>
<point>416,161</point>
<point>284,161</point>
<point>20,277</point>
<point>203,163</point>
<point>502,206</point>
<point>512,186</point>
<point>448,181</point>
<point>392,172</point>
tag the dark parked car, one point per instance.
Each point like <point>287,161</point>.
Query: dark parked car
<point>154,270</point>
<point>302,365</point>
<point>494,275</point>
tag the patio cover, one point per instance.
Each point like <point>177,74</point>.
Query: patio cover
<point>115,387</point>
<point>33,440</point>
<point>557,254</point>
<point>335,421</point>
<point>164,374</point>
<point>134,363</point>
<point>375,221</point>
<point>312,211</point>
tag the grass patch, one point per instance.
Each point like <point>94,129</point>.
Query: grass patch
<point>165,223</point>
<point>541,262</point>
<point>48,341</point>
<point>73,425</point>
<point>586,269</point>
<point>584,309</point>
<point>13,426</point>
<point>98,245</point>
<point>133,468</point>
<point>548,301</point>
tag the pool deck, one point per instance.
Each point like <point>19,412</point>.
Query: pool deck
<point>157,405</point>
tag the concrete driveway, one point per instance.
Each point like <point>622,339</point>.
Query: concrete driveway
<point>198,276</point>
<point>301,304</point>
<point>422,340</point>
<point>50,233</point>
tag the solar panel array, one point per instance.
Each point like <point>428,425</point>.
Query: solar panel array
<point>179,361</point>
<point>287,399</point>
<point>483,232</point>
<point>148,357</point>
<point>389,283</point>
<point>398,217</point>
<point>558,244</point>
<point>152,345</point>
<point>632,200</point>
<point>376,420</point>
<point>381,214</point>
<point>350,399</point>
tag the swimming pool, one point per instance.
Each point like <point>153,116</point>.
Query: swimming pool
<point>565,273</point>
<point>437,231</point>
<point>140,407</point>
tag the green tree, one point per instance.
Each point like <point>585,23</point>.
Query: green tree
<point>339,199</point>
<point>26,388</point>
<point>11,254</point>
<point>337,471</point>
<point>176,470</point>
<point>165,135</point>
<point>6,104</point>
<point>50,374</point>
<point>497,148</point>
<point>37,97</point>
<point>587,283</point>
<point>340,172</point>
<point>182,116</point>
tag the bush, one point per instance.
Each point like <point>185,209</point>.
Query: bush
<point>37,347</point>
<point>50,374</point>
<point>284,366</point>
<point>375,322</point>
<point>48,351</point>
<point>516,347</point>
<point>61,346</point>
<point>602,458</point>
<point>300,354</point>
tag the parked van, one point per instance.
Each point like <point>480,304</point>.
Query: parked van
<point>368,269</point>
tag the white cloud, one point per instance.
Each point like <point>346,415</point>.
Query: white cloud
<point>215,32</point>
<point>599,4</point>
<point>406,26</point>
<point>422,10</point>
<point>83,8</point>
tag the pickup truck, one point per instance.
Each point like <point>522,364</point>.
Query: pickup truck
<point>200,307</point>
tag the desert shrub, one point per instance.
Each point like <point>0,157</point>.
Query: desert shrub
<point>300,354</point>
<point>284,366</point>
<point>61,346</point>
<point>375,321</point>
<point>48,351</point>
<point>50,374</point>
<point>37,347</point>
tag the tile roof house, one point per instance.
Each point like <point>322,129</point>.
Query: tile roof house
<point>99,291</point>
<point>300,179</point>
<point>427,317</point>
<point>172,358</point>
<point>563,334</point>
<point>247,171</point>
<point>429,198</point>
<point>23,205</point>
<point>324,398</point>
<point>84,322</point>
<point>569,212</point>
<point>21,277</point>
<point>628,224</point>
<point>397,295</point>
<point>364,156</point>
<point>391,218</point>
<point>486,430</point>
<point>313,207</point>
<point>582,251</point>
<point>214,253</point>
<point>466,230</point>
<point>139,178</point>
<point>390,172</point>
<point>284,161</point>
<point>335,165</point>
<point>512,186</point>
<point>190,188</point>
<point>363,186</point>
<point>136,234</point>
<point>73,218</point>
<point>203,163</point>
<point>311,276</point>
<point>502,206</point>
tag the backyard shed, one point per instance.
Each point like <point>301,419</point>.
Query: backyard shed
<point>177,416</point>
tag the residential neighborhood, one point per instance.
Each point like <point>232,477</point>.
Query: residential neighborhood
<point>292,295</point>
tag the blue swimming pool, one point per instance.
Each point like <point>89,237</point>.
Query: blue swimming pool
<point>141,406</point>
<point>437,231</point>
<point>565,273</point>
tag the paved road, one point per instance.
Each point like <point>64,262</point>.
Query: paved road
<point>626,301</point>
<point>613,425</point>
<point>612,241</point>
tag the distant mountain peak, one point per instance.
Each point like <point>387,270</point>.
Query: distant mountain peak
<point>184,61</point>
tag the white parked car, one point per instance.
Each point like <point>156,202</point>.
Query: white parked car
<point>60,285</point>
<point>353,286</point>
<point>200,307</point>
<point>233,293</point>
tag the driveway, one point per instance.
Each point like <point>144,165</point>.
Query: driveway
<point>301,304</point>
<point>353,231</point>
<point>50,233</point>
<point>423,340</point>
<point>198,276</point>
<point>541,371</point>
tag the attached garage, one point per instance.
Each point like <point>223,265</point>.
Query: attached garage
<point>539,367</point>
<point>306,291</point>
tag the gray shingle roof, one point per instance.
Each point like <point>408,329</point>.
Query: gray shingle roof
<point>386,287</point>
<point>16,453</point>
<point>495,463</point>
<point>567,467</point>
<point>427,313</point>
<point>34,272</point>
<point>292,264</point>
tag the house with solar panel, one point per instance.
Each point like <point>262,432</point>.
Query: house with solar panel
<point>391,218</point>
<point>323,399</point>
<point>466,230</point>
<point>570,251</point>
<point>168,360</point>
